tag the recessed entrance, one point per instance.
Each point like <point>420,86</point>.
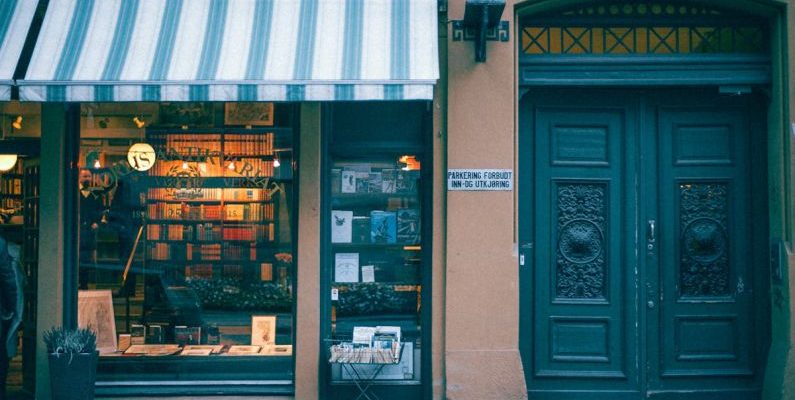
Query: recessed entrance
<point>648,220</point>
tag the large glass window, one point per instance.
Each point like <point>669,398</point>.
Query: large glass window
<point>186,240</point>
<point>377,262</point>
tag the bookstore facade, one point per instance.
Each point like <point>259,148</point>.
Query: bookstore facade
<point>260,198</point>
<point>242,215</point>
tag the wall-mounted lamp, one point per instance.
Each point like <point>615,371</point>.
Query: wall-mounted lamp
<point>410,163</point>
<point>7,161</point>
<point>139,122</point>
<point>481,23</point>
<point>17,124</point>
<point>276,163</point>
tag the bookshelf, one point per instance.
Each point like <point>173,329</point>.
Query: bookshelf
<point>210,211</point>
<point>11,195</point>
<point>30,263</point>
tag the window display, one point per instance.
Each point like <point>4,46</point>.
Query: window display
<point>188,232</point>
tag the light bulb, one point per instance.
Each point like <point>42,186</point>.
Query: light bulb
<point>231,166</point>
<point>7,161</point>
<point>17,124</point>
<point>97,165</point>
<point>276,163</point>
<point>184,165</point>
<point>139,122</point>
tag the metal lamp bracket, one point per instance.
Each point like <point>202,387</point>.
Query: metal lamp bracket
<point>481,23</point>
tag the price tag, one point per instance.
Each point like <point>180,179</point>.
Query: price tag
<point>335,294</point>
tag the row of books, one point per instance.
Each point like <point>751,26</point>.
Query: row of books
<point>261,144</point>
<point>208,194</point>
<point>207,271</point>
<point>11,185</point>
<point>399,226</point>
<point>369,345</point>
<point>210,232</point>
<point>183,211</point>
<point>365,180</point>
<point>199,232</point>
<point>228,166</point>
<point>260,232</point>
<point>248,212</point>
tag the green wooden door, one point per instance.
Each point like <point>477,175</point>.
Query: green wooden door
<point>642,233</point>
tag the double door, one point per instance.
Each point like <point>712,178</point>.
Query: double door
<point>643,229</point>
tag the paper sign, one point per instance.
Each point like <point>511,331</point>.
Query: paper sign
<point>479,179</point>
<point>368,273</point>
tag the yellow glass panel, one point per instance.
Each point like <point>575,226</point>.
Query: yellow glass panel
<point>555,42</point>
<point>619,40</point>
<point>641,40</point>
<point>535,40</point>
<point>576,40</point>
<point>662,40</point>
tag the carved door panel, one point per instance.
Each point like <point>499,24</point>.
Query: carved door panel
<point>637,222</point>
<point>705,244</point>
<point>579,315</point>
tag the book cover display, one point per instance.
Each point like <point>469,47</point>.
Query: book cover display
<point>383,226</point>
<point>341,226</point>
<point>408,225</point>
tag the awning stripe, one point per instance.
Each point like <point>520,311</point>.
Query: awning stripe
<point>75,38</point>
<point>306,40</point>
<point>166,39</point>
<point>351,60</point>
<point>212,40</point>
<point>121,40</point>
<point>6,16</point>
<point>400,32</point>
<point>258,50</point>
<point>234,50</point>
<point>15,19</point>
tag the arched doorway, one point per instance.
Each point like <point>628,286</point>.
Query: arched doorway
<point>643,180</point>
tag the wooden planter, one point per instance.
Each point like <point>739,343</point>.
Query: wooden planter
<point>72,376</point>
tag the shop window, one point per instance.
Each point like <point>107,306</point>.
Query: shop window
<point>186,241</point>
<point>19,226</point>
<point>642,28</point>
<point>377,258</point>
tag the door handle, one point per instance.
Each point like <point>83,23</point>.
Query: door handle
<point>652,231</point>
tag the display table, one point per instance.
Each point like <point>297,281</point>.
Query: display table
<point>358,363</point>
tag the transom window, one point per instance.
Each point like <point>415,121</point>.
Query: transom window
<point>642,29</point>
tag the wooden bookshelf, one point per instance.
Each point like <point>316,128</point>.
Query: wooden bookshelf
<point>209,209</point>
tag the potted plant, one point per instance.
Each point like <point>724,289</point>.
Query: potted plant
<point>73,359</point>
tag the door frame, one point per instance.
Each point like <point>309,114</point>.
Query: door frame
<point>638,110</point>
<point>779,148</point>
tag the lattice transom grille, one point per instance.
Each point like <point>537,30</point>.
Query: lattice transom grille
<point>644,28</point>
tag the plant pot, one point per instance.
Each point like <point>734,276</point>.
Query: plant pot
<point>72,376</point>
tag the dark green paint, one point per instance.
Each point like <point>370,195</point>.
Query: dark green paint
<point>648,330</point>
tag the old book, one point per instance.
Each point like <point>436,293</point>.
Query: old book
<point>383,226</point>
<point>362,182</point>
<point>341,226</point>
<point>375,180</point>
<point>408,225</point>
<point>388,180</point>
<point>348,182</point>
<point>336,180</point>
<point>361,229</point>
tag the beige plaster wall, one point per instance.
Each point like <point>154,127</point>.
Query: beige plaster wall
<point>307,339</point>
<point>481,305</point>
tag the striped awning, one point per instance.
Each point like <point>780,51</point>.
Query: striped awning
<point>234,50</point>
<point>15,19</point>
